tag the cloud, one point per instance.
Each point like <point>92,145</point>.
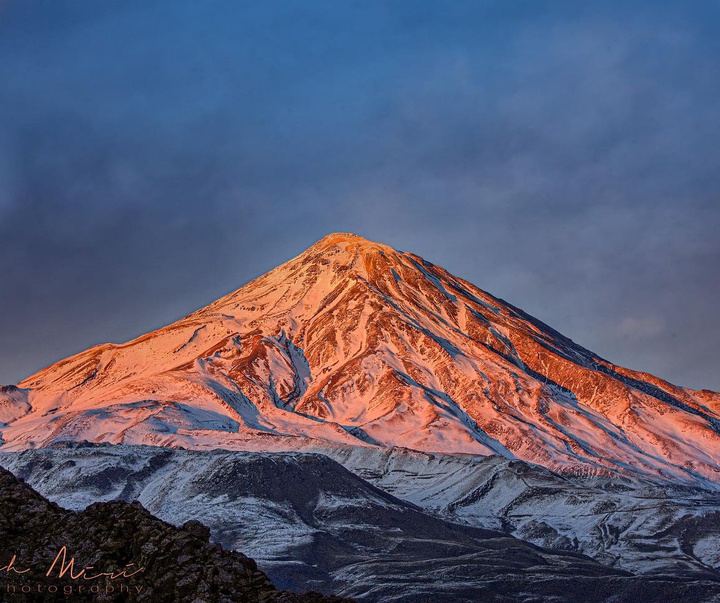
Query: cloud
<point>640,327</point>
<point>561,156</point>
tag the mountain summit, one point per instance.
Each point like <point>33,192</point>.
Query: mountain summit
<point>353,342</point>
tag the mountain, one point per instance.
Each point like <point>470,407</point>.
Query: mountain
<point>355,343</point>
<point>632,524</point>
<point>628,524</point>
<point>151,560</point>
<point>310,523</point>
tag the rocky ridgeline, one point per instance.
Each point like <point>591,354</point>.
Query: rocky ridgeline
<point>180,564</point>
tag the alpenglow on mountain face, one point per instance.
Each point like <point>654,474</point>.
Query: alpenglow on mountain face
<point>356,343</point>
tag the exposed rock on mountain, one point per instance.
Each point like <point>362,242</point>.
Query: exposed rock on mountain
<point>354,342</point>
<point>13,403</point>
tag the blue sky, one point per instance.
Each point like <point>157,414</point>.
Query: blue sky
<point>156,154</point>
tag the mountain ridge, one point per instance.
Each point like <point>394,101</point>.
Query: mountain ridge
<point>309,522</point>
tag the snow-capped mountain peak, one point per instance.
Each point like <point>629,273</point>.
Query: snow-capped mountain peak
<point>355,343</point>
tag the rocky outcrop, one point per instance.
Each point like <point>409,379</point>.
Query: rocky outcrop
<point>117,551</point>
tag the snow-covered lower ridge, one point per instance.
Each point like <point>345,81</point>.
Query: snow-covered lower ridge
<point>285,507</point>
<point>355,343</point>
<point>629,523</point>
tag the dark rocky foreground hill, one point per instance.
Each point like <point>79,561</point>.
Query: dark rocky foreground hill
<point>180,564</point>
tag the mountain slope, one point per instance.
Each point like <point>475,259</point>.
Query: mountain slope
<point>353,342</point>
<point>631,524</point>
